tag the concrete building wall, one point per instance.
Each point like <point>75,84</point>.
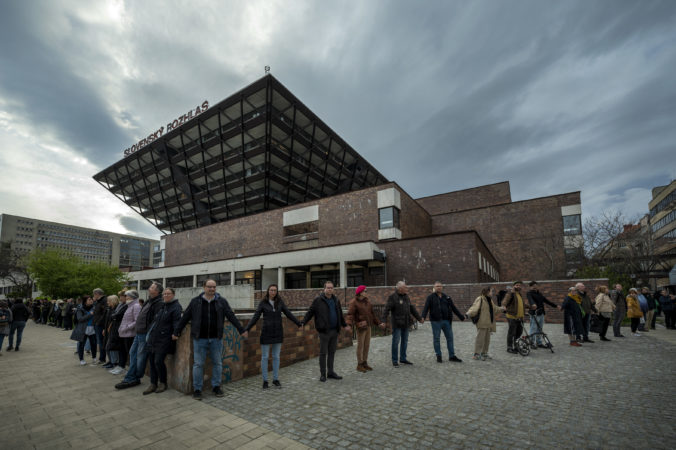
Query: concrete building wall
<point>27,234</point>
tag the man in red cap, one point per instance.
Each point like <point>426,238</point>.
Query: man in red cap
<point>360,314</point>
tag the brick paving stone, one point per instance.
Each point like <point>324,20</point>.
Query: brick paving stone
<point>595,396</point>
<point>53,402</point>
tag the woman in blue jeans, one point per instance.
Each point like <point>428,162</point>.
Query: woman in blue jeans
<point>84,330</point>
<point>272,333</point>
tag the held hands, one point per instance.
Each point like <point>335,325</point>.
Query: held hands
<point>245,334</point>
<point>362,324</point>
<point>174,337</point>
<point>382,325</point>
<point>422,321</point>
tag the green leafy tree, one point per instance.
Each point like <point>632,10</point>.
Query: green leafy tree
<point>13,269</point>
<point>60,275</point>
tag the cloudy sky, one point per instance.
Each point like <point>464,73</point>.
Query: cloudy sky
<point>439,96</point>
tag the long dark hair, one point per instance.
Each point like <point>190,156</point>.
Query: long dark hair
<point>277,298</point>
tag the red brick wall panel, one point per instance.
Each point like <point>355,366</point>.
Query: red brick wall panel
<point>521,235</point>
<point>477,197</point>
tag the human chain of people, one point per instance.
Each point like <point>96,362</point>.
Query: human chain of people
<point>125,334</point>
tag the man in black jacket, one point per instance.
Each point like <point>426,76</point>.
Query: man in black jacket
<point>402,309</point>
<point>20,314</point>
<point>329,319</point>
<point>618,298</point>
<point>99,318</point>
<point>441,309</point>
<point>537,311</point>
<point>137,367</point>
<point>207,312</point>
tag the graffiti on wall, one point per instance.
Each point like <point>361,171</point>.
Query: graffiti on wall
<point>232,346</point>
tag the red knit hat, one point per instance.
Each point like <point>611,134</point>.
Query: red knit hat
<point>360,289</point>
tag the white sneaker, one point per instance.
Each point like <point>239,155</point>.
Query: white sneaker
<point>83,362</point>
<point>116,370</point>
<point>95,362</point>
<point>636,334</point>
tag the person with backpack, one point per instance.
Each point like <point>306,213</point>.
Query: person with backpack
<point>5,321</point>
<point>483,313</point>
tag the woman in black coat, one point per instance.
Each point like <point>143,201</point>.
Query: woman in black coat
<point>272,333</point>
<point>572,317</point>
<point>159,343</point>
<point>115,344</point>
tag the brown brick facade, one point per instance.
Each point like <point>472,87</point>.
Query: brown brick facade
<point>477,197</point>
<point>448,257</point>
<point>343,219</point>
<point>526,237</point>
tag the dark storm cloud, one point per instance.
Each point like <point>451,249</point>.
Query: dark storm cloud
<point>44,90</point>
<point>477,136</point>
<point>547,95</point>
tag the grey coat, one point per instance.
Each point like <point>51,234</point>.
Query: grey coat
<point>618,299</point>
<point>4,329</point>
<point>82,316</point>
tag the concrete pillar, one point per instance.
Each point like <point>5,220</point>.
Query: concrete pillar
<point>164,281</point>
<point>138,286</point>
<point>194,281</point>
<point>280,278</point>
<point>343,274</point>
<point>232,278</point>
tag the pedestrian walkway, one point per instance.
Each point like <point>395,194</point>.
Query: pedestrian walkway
<point>617,394</point>
<point>50,401</point>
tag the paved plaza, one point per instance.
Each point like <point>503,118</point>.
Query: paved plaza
<point>617,394</point>
<point>50,402</point>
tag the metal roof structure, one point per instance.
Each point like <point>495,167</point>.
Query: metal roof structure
<point>257,150</point>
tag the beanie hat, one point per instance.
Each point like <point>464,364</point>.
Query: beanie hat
<point>360,289</point>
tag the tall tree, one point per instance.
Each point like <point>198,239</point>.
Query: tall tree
<point>59,274</point>
<point>13,268</point>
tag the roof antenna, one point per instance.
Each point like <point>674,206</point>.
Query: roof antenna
<point>267,70</point>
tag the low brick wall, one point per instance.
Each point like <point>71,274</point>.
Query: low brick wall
<point>242,357</point>
<point>463,295</point>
